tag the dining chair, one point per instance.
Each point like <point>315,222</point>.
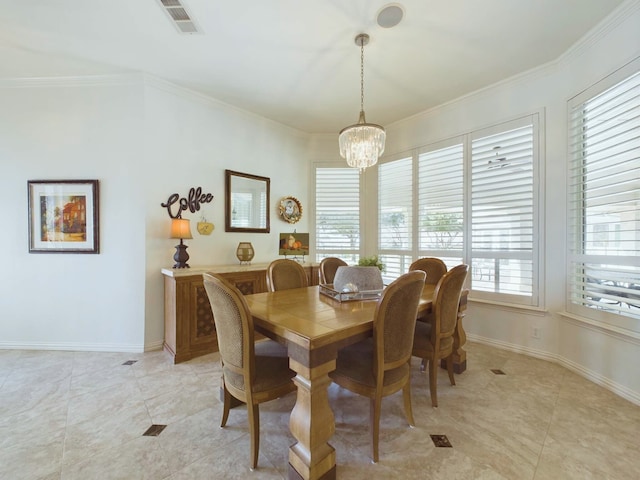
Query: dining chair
<point>283,274</point>
<point>434,340</point>
<point>432,266</point>
<point>435,269</point>
<point>252,372</point>
<point>380,365</point>
<point>328,268</point>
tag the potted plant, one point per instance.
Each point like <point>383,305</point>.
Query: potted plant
<point>373,261</point>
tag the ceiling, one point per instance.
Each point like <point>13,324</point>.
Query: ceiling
<point>295,61</point>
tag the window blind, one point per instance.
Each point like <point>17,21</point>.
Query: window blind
<point>395,209</point>
<point>604,203</point>
<point>502,212</point>
<point>441,202</point>
<point>338,213</point>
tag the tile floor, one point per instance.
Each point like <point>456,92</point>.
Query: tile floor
<point>79,415</point>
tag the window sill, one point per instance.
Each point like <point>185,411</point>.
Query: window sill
<point>511,307</point>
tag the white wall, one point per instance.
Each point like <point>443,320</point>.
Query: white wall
<point>73,129</point>
<point>143,140</point>
<point>192,140</point>
<point>609,358</point>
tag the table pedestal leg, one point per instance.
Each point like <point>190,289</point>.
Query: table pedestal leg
<point>312,424</point>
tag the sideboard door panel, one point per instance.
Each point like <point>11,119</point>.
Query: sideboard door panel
<point>189,327</point>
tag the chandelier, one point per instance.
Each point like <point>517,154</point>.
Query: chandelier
<point>362,143</point>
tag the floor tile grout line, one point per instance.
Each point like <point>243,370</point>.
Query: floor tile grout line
<point>549,424</point>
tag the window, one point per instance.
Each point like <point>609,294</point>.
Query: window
<point>502,211</point>
<point>395,214</point>
<point>338,213</point>
<point>472,199</point>
<point>604,201</point>
<point>441,203</point>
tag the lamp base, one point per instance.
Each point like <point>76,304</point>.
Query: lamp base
<point>181,256</point>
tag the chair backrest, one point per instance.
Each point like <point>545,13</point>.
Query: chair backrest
<point>234,329</point>
<point>328,267</point>
<point>394,321</point>
<point>432,266</point>
<point>446,301</point>
<point>283,274</point>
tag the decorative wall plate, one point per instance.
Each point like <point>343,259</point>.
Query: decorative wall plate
<point>290,209</point>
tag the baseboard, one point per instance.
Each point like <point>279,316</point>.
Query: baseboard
<point>153,346</point>
<point>74,347</point>
<point>598,379</point>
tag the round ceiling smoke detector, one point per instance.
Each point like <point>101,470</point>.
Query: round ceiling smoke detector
<point>390,15</point>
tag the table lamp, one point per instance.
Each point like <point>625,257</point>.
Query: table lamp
<point>181,228</point>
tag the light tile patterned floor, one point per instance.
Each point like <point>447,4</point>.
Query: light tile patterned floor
<point>79,415</point>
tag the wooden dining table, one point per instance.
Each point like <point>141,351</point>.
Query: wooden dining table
<point>314,327</point>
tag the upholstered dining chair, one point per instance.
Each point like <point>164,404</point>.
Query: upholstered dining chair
<point>283,274</point>
<point>435,269</point>
<point>380,365</point>
<point>253,373</point>
<point>434,340</point>
<point>432,266</point>
<point>328,268</point>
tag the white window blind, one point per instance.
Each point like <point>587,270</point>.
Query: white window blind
<point>441,203</point>
<point>604,202</point>
<point>502,212</point>
<point>338,213</point>
<point>395,210</point>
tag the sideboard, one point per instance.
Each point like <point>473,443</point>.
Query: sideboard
<point>189,330</point>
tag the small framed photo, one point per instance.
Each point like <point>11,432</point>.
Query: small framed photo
<point>63,216</point>
<point>290,209</point>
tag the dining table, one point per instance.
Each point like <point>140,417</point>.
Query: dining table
<point>314,326</point>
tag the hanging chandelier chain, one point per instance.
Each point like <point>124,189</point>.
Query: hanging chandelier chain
<point>362,76</point>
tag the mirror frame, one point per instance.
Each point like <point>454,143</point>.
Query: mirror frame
<point>229,175</point>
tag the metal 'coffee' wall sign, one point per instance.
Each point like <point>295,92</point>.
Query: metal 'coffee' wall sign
<point>192,202</point>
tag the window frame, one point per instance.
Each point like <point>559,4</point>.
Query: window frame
<point>577,259</point>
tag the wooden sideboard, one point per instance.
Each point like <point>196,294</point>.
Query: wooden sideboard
<point>189,330</point>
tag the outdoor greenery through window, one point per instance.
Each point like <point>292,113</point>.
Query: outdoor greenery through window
<point>604,201</point>
<point>441,203</point>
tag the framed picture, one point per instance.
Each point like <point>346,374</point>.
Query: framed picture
<point>63,216</point>
<point>294,244</point>
<point>290,209</point>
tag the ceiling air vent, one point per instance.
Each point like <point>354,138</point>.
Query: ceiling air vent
<point>179,16</point>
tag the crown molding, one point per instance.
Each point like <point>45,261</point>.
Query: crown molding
<point>72,81</point>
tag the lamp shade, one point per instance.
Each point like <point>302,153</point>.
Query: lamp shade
<point>180,228</point>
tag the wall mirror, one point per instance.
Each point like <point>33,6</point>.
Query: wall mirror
<point>246,202</point>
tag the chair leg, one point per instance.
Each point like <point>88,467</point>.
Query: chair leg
<point>375,405</point>
<point>408,411</point>
<point>226,405</point>
<point>433,381</point>
<point>450,369</point>
<point>254,429</point>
